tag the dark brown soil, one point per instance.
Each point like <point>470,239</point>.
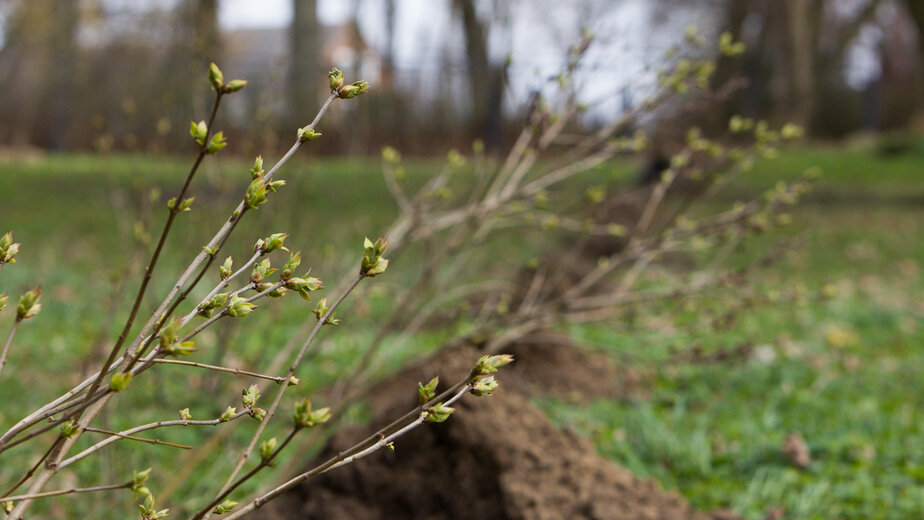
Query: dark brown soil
<point>497,457</point>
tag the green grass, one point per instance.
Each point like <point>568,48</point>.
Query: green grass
<point>845,371</point>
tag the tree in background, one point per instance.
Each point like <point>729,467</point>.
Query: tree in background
<point>486,78</point>
<point>303,71</point>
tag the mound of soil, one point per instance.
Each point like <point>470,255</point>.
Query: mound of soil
<point>497,457</point>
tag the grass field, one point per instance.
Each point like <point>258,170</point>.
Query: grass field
<point>845,371</point>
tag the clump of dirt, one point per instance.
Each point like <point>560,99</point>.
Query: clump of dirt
<point>497,457</point>
<point>561,371</point>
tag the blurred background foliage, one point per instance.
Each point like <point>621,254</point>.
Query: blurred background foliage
<point>122,75</point>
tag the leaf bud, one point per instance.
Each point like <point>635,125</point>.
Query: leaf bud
<point>439,413</point>
<point>28,304</point>
<point>308,134</point>
<point>489,364</point>
<point>426,392</point>
<point>353,89</point>
<point>216,78</point>
<point>484,386</point>
<point>335,78</point>
<point>240,308</point>
<point>267,448</point>
<point>234,85</point>
<point>225,507</point>
<point>120,381</point>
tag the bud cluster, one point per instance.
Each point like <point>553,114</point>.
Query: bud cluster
<point>168,340</point>
<point>258,188</point>
<point>357,88</point>
<point>305,417</point>
<point>321,310</point>
<point>28,304</point>
<point>217,80</point>
<point>426,392</point>
<point>373,264</point>
<point>8,249</point>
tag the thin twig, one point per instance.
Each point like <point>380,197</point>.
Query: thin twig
<point>139,439</point>
<point>70,491</point>
<point>9,342</point>
<point>235,371</point>
<point>150,426</point>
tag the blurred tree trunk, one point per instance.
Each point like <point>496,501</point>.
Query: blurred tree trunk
<point>60,84</point>
<point>388,56</point>
<point>305,71</point>
<point>486,80</point>
<point>42,49</point>
<point>916,8</point>
<point>801,20</point>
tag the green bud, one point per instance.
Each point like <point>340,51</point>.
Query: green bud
<point>185,415</point>
<point>261,271</point>
<point>28,304</point>
<point>489,364</point>
<point>272,186</point>
<point>199,131</point>
<point>224,270</point>
<point>291,264</point>
<point>240,308</point>
<point>185,348</point>
<point>484,386</point>
<point>258,413</point>
<point>3,299</point>
<point>791,131</point>
<point>169,333</point>
<point>267,448</point>
<point>354,89</point>
<point>305,417</point>
<point>215,302</point>
<point>274,242</point>
<point>616,230</point>
<point>321,309</point>
<point>225,507</point>
<point>308,134</point>
<point>250,395</point>
<point>278,292</point>
<point>439,413</point>
<point>455,159</point>
<point>257,170</point>
<point>234,85</point>
<point>120,381</point>
<point>216,78</point>
<point>729,47</point>
<point>305,285</point>
<point>426,392</point>
<point>228,414</point>
<point>8,249</point>
<point>140,477</point>
<point>211,251</point>
<point>390,155</point>
<point>256,194</point>
<point>294,381</point>
<point>335,78</point>
<point>596,194</point>
<point>216,143</point>
<point>69,428</point>
<point>186,204</point>
<point>372,263</point>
